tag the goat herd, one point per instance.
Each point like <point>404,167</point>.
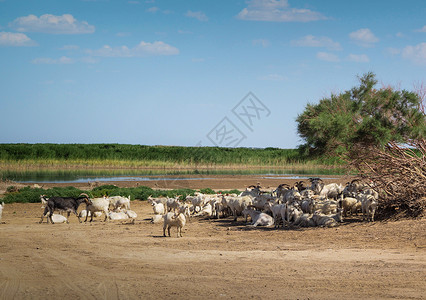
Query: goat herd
<point>317,204</point>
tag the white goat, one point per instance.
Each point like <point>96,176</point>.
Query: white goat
<point>158,200</point>
<point>369,206</point>
<point>157,219</point>
<point>117,215</point>
<point>132,215</point>
<point>173,203</point>
<point>98,204</point>
<point>276,212</point>
<point>327,220</point>
<point>331,190</point>
<point>84,213</point>
<point>348,205</point>
<point>118,202</point>
<point>206,210</point>
<point>238,204</point>
<point>258,218</point>
<point>56,218</point>
<point>198,201</point>
<point>177,220</point>
<point>158,208</point>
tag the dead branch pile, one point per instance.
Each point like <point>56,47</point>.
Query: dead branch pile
<point>399,173</point>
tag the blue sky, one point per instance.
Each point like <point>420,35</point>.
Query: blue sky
<point>174,72</point>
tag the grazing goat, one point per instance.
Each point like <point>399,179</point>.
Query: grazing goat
<point>177,220</point>
<point>68,204</point>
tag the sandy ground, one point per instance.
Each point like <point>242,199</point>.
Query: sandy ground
<point>215,259</point>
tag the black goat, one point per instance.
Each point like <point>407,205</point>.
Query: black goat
<point>68,204</point>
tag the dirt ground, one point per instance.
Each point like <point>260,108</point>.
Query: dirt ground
<point>215,259</point>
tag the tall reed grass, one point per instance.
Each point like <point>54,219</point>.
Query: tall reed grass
<point>136,156</point>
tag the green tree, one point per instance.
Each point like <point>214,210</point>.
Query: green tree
<point>363,115</point>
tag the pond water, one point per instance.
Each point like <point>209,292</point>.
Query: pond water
<point>88,175</point>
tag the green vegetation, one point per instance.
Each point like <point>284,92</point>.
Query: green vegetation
<point>362,116</point>
<point>118,155</point>
<point>32,195</point>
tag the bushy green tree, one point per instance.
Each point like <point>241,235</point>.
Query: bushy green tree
<point>362,115</point>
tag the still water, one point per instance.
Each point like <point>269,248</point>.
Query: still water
<point>74,176</point>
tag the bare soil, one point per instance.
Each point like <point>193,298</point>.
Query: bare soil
<point>215,259</point>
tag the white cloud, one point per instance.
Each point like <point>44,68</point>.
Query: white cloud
<point>328,57</point>
<point>321,41</point>
<point>416,54</point>
<point>65,24</point>
<point>15,39</point>
<point>362,58</point>
<point>273,77</point>
<point>200,16</point>
<point>142,49</point>
<point>277,11</point>
<point>423,29</point>
<point>262,42</point>
<point>52,61</point>
<point>363,37</point>
<point>153,9</point>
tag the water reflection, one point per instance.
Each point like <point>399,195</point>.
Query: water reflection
<point>72,176</point>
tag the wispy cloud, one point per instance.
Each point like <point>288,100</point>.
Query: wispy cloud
<point>53,61</point>
<point>320,41</point>
<point>140,50</point>
<point>65,24</point>
<point>153,9</point>
<point>200,16</point>
<point>261,42</point>
<point>180,31</point>
<point>277,11</point>
<point>423,29</point>
<point>417,54</point>
<point>363,37</point>
<point>325,56</point>
<point>361,58</point>
<point>11,39</point>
